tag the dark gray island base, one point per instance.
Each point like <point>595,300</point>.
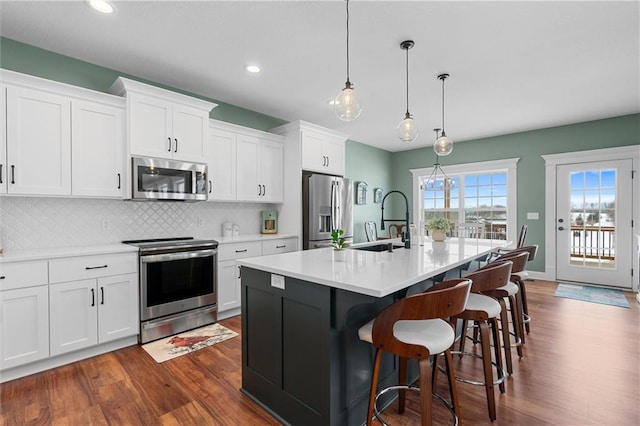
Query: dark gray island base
<point>302,359</point>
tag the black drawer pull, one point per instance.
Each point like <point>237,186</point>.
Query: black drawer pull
<point>95,267</point>
<point>2,277</point>
<point>93,298</point>
<point>281,246</point>
<point>241,251</point>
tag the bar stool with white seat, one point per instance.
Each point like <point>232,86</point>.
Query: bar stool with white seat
<point>414,327</point>
<point>485,311</point>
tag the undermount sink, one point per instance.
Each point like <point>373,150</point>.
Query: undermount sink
<point>378,247</point>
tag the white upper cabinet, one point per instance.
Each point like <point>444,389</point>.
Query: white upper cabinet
<point>220,156</point>
<point>3,141</point>
<point>322,153</point>
<point>259,174</point>
<point>38,142</point>
<point>164,124</point>
<point>97,150</point>
<point>244,164</point>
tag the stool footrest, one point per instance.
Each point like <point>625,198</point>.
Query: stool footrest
<point>377,414</point>
<point>501,376</point>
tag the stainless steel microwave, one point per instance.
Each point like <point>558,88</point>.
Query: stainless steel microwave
<point>160,179</point>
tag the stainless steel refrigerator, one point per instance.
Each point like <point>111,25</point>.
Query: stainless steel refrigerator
<point>327,205</point>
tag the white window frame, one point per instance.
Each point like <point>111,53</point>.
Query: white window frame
<point>508,166</point>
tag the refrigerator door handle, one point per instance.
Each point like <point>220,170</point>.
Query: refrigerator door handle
<point>333,206</point>
<point>338,209</point>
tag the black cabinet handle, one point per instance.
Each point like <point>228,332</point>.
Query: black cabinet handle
<point>0,173</point>
<point>239,273</point>
<point>169,150</point>
<point>259,190</point>
<point>13,174</point>
<point>96,267</point>
<point>119,181</point>
<point>176,148</point>
<point>210,187</point>
<point>93,298</point>
<point>241,251</point>
<point>264,190</point>
<point>281,246</point>
<point>102,295</point>
<point>2,277</point>
<point>327,161</point>
<point>324,160</point>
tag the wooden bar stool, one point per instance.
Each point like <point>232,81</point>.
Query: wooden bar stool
<point>520,278</point>
<point>485,311</point>
<point>414,327</point>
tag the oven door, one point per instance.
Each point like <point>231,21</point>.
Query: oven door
<point>177,282</point>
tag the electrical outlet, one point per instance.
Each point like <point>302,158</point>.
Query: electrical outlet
<point>105,224</point>
<point>200,222</point>
<point>533,216</point>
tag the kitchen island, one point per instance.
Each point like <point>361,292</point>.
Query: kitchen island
<point>301,311</point>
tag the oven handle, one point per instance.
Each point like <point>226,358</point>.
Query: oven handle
<point>155,258</point>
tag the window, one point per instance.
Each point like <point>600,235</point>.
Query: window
<point>479,199</point>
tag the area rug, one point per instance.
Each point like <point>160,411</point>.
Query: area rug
<point>190,341</point>
<point>586,293</point>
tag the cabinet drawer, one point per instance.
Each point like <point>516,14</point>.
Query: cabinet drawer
<point>87,267</point>
<point>23,274</point>
<point>284,245</point>
<point>239,250</point>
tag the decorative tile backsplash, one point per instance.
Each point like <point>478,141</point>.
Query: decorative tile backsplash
<point>38,222</point>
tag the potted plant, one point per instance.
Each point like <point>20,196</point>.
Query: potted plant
<point>439,226</point>
<point>339,243</point>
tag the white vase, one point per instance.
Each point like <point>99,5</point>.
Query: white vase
<point>438,235</point>
<point>339,255</point>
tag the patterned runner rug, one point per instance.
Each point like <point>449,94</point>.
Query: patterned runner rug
<point>586,293</point>
<point>190,341</point>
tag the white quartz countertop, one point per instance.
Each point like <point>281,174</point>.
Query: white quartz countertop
<point>375,273</point>
<point>50,253</point>
<point>252,237</point>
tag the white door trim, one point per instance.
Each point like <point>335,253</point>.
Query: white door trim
<point>552,161</point>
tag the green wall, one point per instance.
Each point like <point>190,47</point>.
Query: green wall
<point>529,147</point>
<point>373,166</point>
<point>27,59</point>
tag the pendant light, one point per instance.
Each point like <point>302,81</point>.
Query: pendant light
<point>443,145</point>
<point>347,104</point>
<point>433,181</point>
<point>407,130</point>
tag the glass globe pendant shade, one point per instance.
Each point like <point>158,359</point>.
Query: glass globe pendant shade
<point>347,104</point>
<point>407,130</point>
<point>443,146</point>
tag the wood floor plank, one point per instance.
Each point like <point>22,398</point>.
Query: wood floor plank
<point>581,366</point>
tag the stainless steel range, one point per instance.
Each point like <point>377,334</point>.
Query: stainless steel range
<point>178,285</point>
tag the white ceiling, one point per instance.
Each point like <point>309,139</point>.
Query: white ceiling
<point>514,66</point>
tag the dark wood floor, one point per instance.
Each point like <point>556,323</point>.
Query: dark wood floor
<point>581,367</point>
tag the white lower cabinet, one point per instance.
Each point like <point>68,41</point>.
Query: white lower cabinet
<point>88,312</point>
<point>229,280</point>
<point>24,325</point>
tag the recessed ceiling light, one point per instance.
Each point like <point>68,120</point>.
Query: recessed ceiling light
<point>253,69</point>
<point>101,6</point>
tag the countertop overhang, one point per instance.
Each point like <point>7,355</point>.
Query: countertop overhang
<point>375,274</point>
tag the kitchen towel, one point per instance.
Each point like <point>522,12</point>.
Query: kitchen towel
<point>183,343</point>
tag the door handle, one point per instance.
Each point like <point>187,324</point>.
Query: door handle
<point>0,173</point>
<point>93,297</point>
<point>13,174</point>
<point>210,187</point>
<point>264,190</point>
<point>102,295</point>
<point>169,150</point>
<point>176,148</point>
<point>327,161</point>
<point>119,181</point>
<point>259,190</point>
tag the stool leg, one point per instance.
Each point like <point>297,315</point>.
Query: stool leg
<point>523,298</point>
<point>451,377</point>
<point>496,348</point>
<point>402,379</point>
<point>485,344</point>
<point>517,323</point>
<point>463,336</point>
<point>374,385</point>
<point>424,365</point>
<point>504,326</point>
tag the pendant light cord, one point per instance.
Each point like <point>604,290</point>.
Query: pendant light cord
<point>348,82</point>
<point>407,66</point>
<point>443,104</point>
